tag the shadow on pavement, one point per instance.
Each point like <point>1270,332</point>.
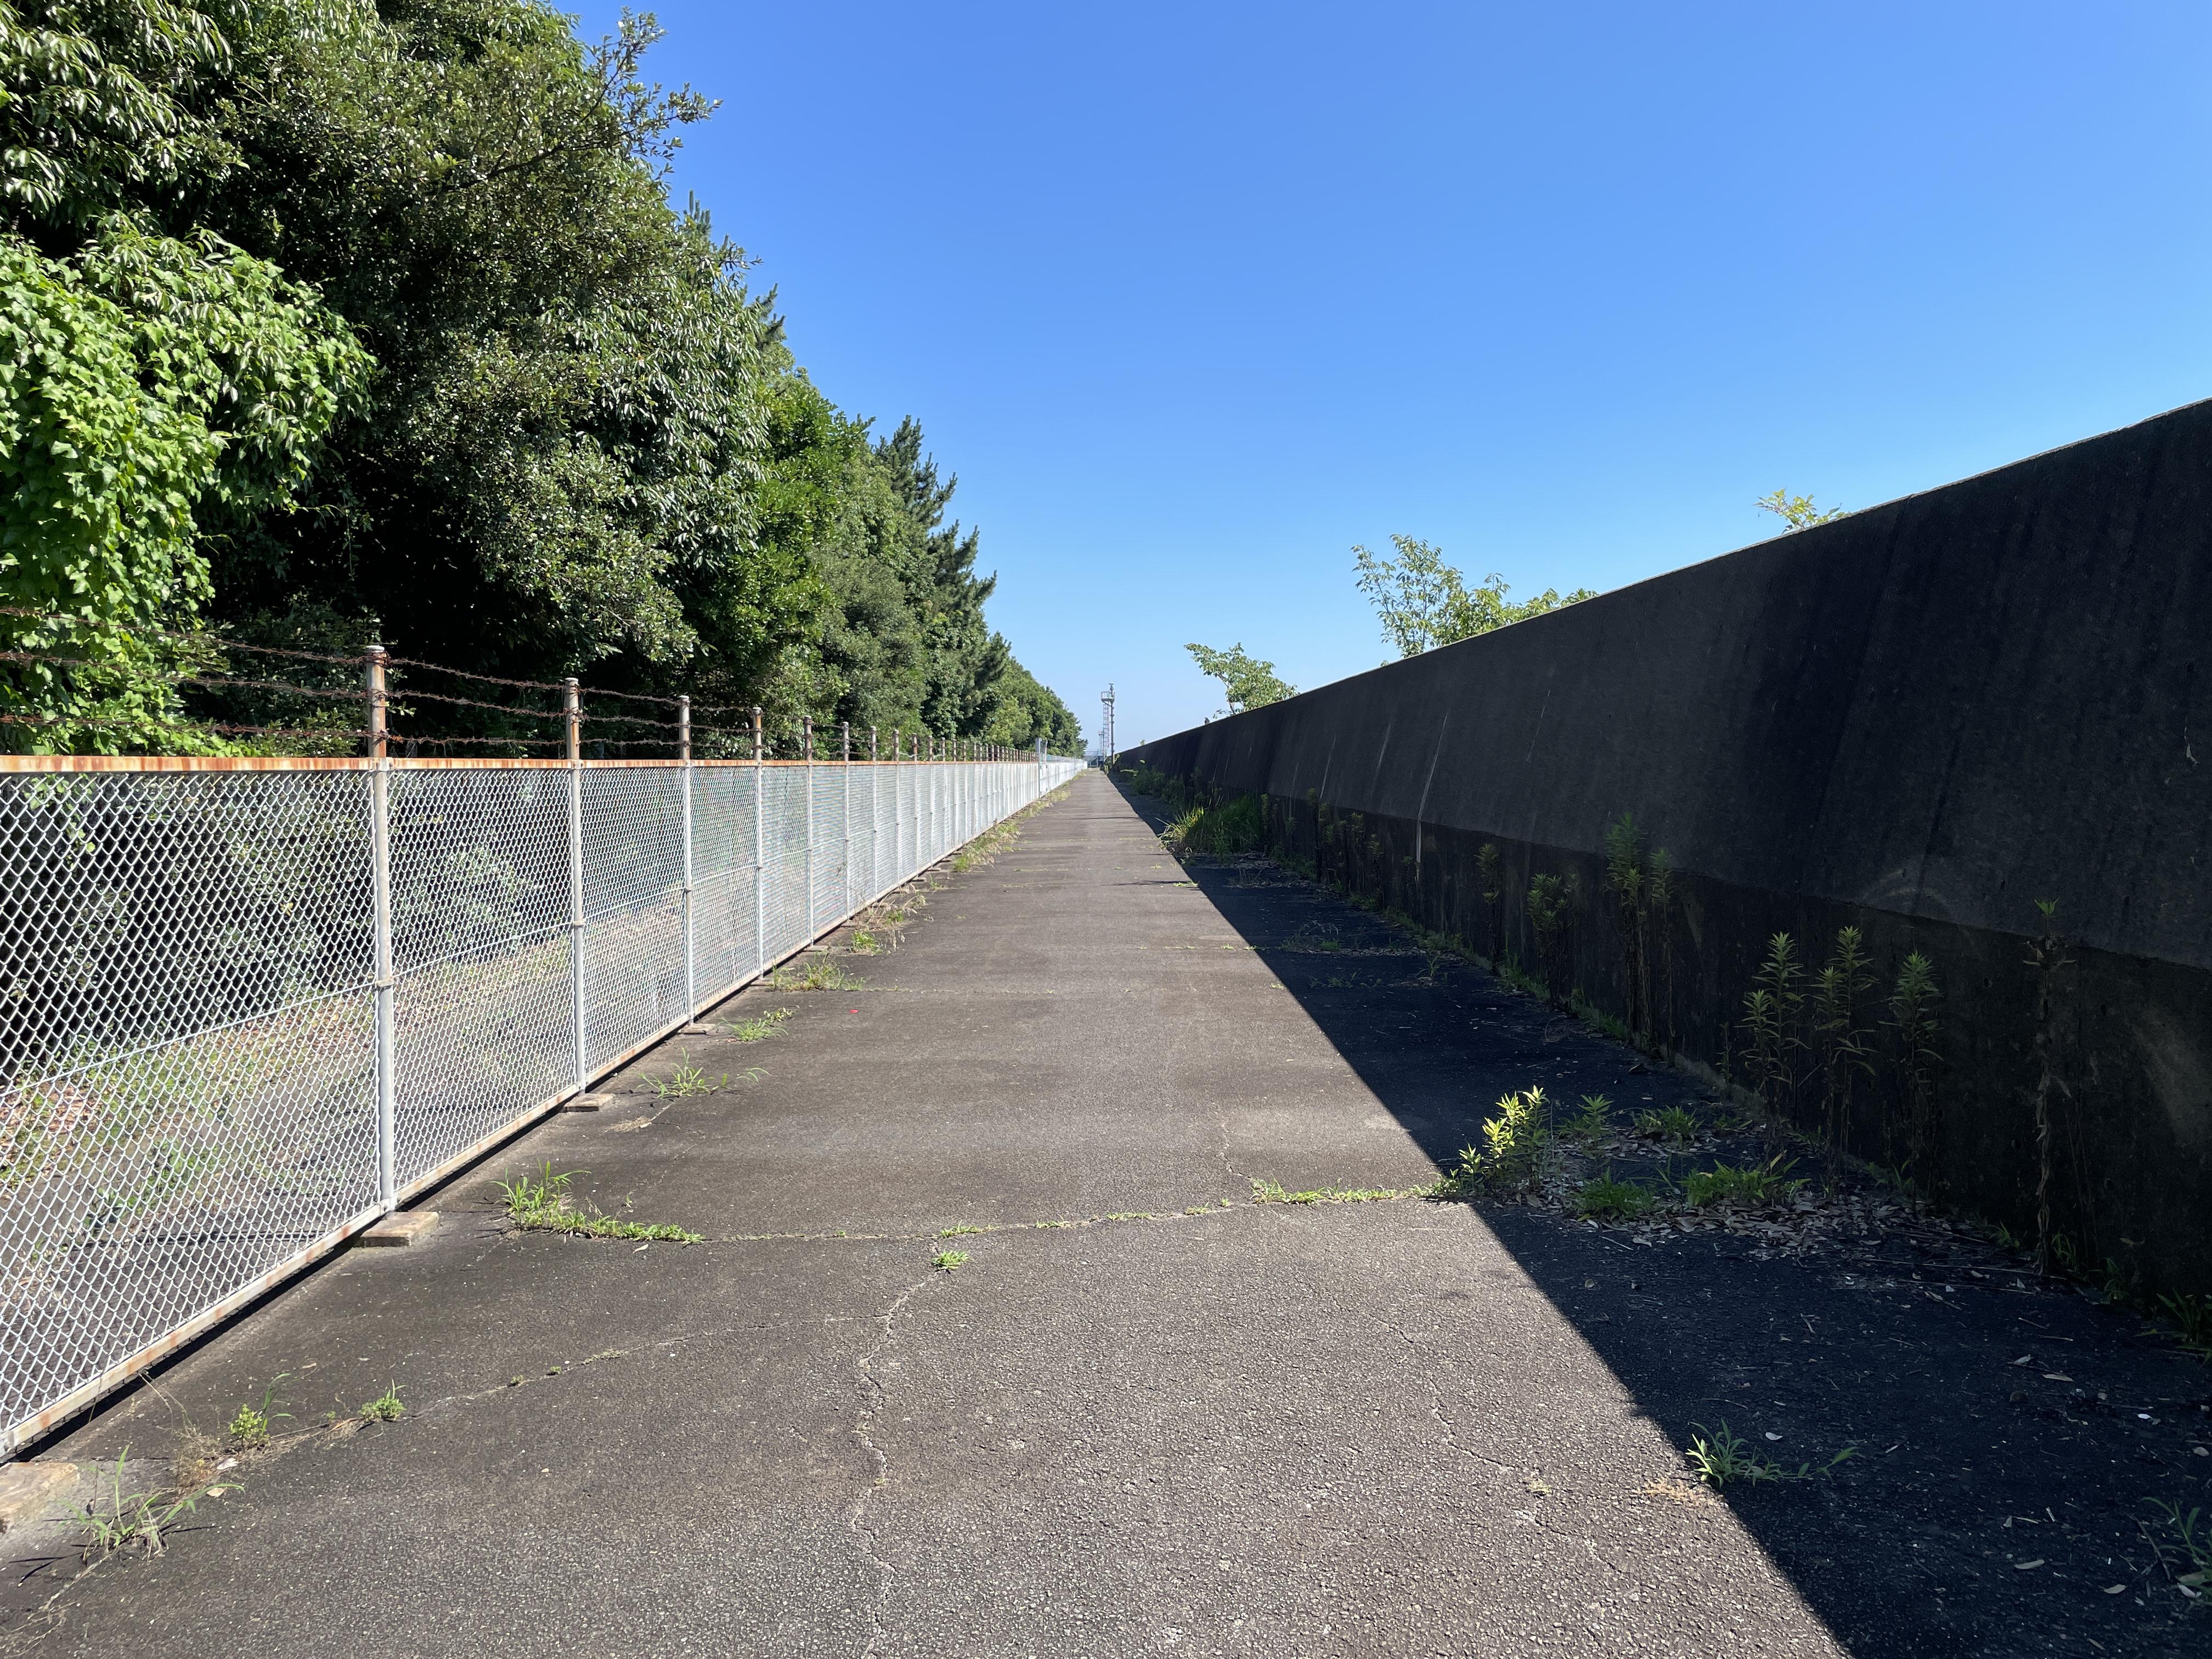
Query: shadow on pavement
<point>2010,1437</point>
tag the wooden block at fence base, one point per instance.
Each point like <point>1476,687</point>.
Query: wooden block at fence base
<point>401,1227</point>
<point>699,1027</point>
<point>586,1103</point>
<point>31,1491</point>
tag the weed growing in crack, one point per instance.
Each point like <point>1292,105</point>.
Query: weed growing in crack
<point>960,1229</point>
<point>249,1429</point>
<point>139,1520</point>
<point>948,1261</point>
<point>686,1082</point>
<point>819,973</point>
<point>546,1205</point>
<point>1601,1198</point>
<point>864,944</point>
<point>1273,1192</point>
<point>1755,1186</point>
<point>386,1408</point>
<point>761,1027</point>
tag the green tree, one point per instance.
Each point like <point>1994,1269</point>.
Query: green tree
<point>156,390</point>
<point>1247,682</point>
<point>1424,602</point>
<point>1028,710</point>
<point>1797,511</point>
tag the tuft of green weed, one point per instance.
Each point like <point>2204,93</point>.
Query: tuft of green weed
<point>140,1519</point>
<point>1273,1192</point>
<point>1721,1459</point>
<point>2193,1540</point>
<point>1754,1186</point>
<point>950,1262</point>
<point>2192,1322</point>
<point>249,1429</point>
<point>1592,1122</point>
<point>960,1228</point>
<point>1512,1141</point>
<point>819,973</point>
<point>1675,1126</point>
<point>1601,1198</point>
<point>761,1027</point>
<point>386,1408</point>
<point>546,1204</point>
<point>864,943</point>
<point>686,1082</point>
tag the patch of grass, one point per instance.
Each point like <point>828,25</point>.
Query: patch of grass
<point>1601,1198</point>
<point>386,1408</point>
<point>864,944</point>
<point>818,973</point>
<point>2185,1533</point>
<point>959,1229</point>
<point>1130,1215</point>
<point>686,1082</point>
<point>1605,1024</point>
<point>1754,1186</point>
<point>140,1519</point>
<point>761,1026</point>
<point>1314,936</point>
<point>546,1205</point>
<point>1722,1459</point>
<point>1592,1122</point>
<point>1273,1192</point>
<point>948,1261</point>
<point>2192,1322</point>
<point>1675,1126</point>
<point>1512,1142</point>
<point>249,1429</point>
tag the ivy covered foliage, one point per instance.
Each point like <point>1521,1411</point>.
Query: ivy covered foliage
<point>323,322</point>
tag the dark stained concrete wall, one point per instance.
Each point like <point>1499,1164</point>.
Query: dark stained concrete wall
<point>1918,720</point>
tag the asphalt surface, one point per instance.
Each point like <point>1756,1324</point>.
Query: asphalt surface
<point>1390,1427</point>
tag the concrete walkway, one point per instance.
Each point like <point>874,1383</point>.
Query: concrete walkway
<point>1373,1428</point>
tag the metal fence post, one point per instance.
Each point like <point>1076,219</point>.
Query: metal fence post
<point>845,770</point>
<point>379,855</point>
<point>760,854</point>
<point>875,818</point>
<point>582,1045</point>
<point>806,747</point>
<point>683,757</point>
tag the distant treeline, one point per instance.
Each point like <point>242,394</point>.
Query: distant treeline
<point>325,322</point>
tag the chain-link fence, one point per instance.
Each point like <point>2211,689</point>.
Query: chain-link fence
<point>246,1008</point>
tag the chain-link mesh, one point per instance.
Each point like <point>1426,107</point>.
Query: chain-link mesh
<point>188,1074</point>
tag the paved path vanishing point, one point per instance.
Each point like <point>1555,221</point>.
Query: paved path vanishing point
<point>1394,1427</point>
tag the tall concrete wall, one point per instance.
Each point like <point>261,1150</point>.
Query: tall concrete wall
<point>1918,719</point>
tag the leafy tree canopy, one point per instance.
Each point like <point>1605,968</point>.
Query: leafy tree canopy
<point>324,321</point>
<point>1425,602</point>
<point>1247,682</point>
<point>1797,511</point>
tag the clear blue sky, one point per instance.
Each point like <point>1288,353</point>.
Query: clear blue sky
<point>1194,297</point>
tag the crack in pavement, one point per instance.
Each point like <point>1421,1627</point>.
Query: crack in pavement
<point>856,1524</point>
